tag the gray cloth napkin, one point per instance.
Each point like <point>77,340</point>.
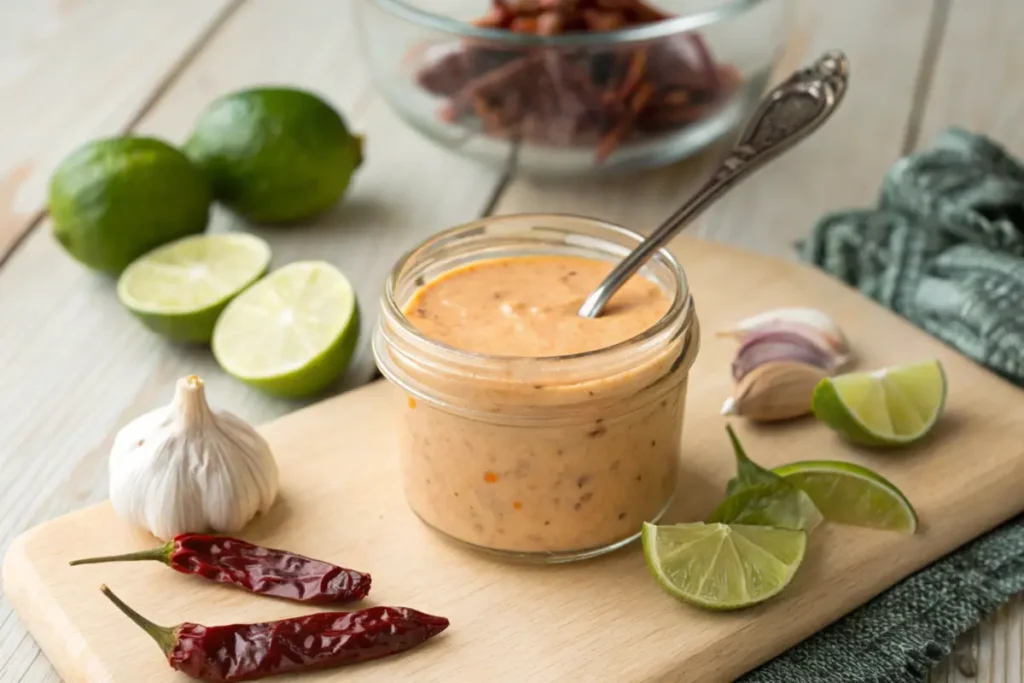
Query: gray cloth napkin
<point>945,249</point>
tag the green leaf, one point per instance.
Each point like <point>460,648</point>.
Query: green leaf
<point>748,473</point>
<point>782,507</point>
<point>761,497</point>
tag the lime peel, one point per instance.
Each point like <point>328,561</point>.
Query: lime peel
<point>891,406</point>
<point>275,154</point>
<point>847,493</point>
<point>113,200</point>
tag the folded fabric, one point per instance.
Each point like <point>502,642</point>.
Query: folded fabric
<point>945,249</point>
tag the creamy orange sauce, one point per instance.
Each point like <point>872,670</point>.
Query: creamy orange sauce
<point>526,306</point>
<point>543,487</point>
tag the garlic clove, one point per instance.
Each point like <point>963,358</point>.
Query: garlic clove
<point>185,468</point>
<point>825,328</point>
<point>811,334</point>
<point>776,345</point>
<point>777,390</point>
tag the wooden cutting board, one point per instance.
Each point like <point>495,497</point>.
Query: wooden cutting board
<point>602,620</point>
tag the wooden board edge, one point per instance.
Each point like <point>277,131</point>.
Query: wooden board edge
<point>42,616</point>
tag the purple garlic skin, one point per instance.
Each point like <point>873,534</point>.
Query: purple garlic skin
<point>767,345</point>
<point>815,324</point>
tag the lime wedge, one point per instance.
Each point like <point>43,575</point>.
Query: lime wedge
<point>292,333</point>
<point>888,407</point>
<point>845,493</point>
<point>723,566</point>
<point>178,290</point>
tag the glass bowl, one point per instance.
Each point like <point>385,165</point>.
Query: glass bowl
<point>575,103</point>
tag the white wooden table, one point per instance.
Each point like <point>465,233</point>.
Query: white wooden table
<point>74,367</point>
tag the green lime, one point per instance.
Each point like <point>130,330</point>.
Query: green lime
<point>723,566</point>
<point>292,333</point>
<point>850,494</point>
<point>889,407</point>
<point>113,200</point>
<point>275,154</point>
<point>178,290</point>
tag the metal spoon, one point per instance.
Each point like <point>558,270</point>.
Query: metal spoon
<point>789,113</point>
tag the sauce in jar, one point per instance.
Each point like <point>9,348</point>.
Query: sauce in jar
<point>554,436</point>
<point>526,306</point>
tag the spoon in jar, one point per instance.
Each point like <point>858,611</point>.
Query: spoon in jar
<point>788,114</point>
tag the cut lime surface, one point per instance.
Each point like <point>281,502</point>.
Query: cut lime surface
<point>723,566</point>
<point>889,407</point>
<point>178,290</point>
<point>850,494</point>
<point>292,333</point>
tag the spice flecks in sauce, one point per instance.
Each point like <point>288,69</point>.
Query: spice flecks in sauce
<point>575,484</point>
<point>526,306</point>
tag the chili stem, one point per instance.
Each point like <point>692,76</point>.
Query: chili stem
<point>161,554</point>
<point>165,637</point>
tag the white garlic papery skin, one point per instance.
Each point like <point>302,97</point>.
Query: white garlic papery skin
<point>811,321</point>
<point>186,469</point>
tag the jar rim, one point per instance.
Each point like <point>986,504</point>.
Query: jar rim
<point>681,297</point>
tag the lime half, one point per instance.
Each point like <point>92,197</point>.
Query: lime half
<point>845,493</point>
<point>179,289</point>
<point>888,407</point>
<point>292,333</point>
<point>723,566</point>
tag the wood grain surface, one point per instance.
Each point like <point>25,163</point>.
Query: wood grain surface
<point>527,623</point>
<point>73,71</point>
<point>75,367</point>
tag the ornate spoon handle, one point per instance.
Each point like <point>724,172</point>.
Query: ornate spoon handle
<point>788,114</point>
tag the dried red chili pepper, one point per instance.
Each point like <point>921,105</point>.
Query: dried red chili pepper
<point>246,652</point>
<point>589,97</point>
<point>264,571</point>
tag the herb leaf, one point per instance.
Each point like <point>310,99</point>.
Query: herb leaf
<point>748,472</point>
<point>761,497</point>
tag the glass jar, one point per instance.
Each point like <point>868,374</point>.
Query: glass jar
<point>550,459</point>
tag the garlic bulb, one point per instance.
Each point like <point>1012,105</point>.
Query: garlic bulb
<point>184,468</point>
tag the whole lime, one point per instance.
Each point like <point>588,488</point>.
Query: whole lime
<point>275,155</point>
<point>113,200</point>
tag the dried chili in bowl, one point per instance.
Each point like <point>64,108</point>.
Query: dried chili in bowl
<point>246,652</point>
<point>579,97</point>
<point>264,571</point>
